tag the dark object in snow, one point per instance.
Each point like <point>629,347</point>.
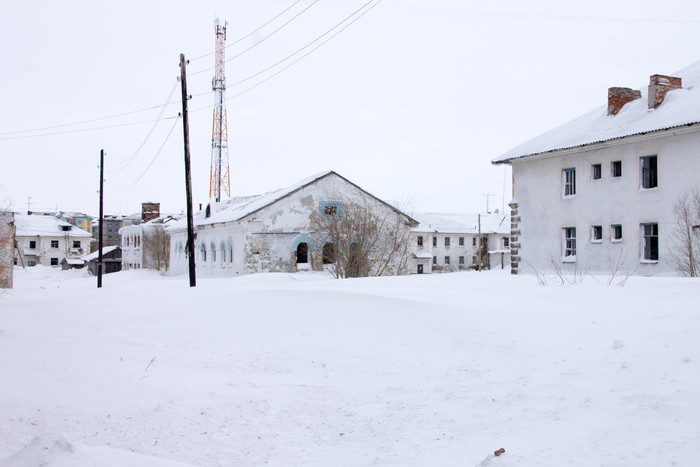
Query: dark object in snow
<point>499,452</point>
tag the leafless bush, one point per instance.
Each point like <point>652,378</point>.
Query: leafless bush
<point>156,247</point>
<point>685,237</point>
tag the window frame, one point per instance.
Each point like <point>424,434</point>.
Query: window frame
<point>419,240</point>
<point>461,241</point>
<point>597,229</point>
<point>649,242</point>
<point>596,171</point>
<point>568,244</point>
<point>653,177</point>
<point>53,262</point>
<point>616,169</point>
<point>447,242</point>
<point>434,240</point>
<point>55,244</point>
<point>447,260</point>
<point>568,182</point>
<point>614,228</point>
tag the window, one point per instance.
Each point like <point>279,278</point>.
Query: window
<point>434,241</point>
<point>329,253</point>
<point>31,263</point>
<point>54,261</point>
<point>568,182</point>
<point>597,233</point>
<point>461,241</point>
<point>569,234</point>
<point>434,259</point>
<point>616,232</point>
<point>447,260</point>
<point>506,242</point>
<point>32,244</point>
<point>76,243</point>
<point>649,172</point>
<point>474,241</point>
<point>616,168</point>
<point>596,172</point>
<point>54,243</point>
<point>650,242</point>
<point>447,241</point>
<point>461,260</point>
<point>420,269</point>
<point>330,210</point>
<point>420,240</point>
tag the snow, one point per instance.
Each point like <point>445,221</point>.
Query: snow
<point>680,107</point>
<point>39,225</point>
<point>462,223</point>
<point>300,369</point>
<point>95,254</point>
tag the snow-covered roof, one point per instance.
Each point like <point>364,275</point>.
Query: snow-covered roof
<point>95,254</point>
<point>73,261</point>
<point>236,208</point>
<point>45,226</point>
<point>680,107</point>
<point>467,223</point>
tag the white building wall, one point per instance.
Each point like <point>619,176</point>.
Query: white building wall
<point>542,212</point>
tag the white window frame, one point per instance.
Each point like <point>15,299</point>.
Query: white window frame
<point>596,168</point>
<point>594,238</point>
<point>612,169</point>
<point>646,231</point>
<point>642,178</point>
<point>568,236</point>
<point>613,229</point>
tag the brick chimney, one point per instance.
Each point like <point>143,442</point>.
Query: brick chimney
<point>150,211</point>
<point>618,97</point>
<point>659,85</point>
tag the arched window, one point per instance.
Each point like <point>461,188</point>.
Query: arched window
<point>328,253</point>
<point>303,253</point>
<point>204,252</point>
<point>229,245</point>
<point>213,253</point>
<point>222,253</point>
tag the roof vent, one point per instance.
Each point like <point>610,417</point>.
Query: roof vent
<point>659,85</point>
<point>618,97</point>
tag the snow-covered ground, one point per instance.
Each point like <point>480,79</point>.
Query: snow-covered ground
<point>300,369</point>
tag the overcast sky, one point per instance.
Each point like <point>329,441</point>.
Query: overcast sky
<point>411,101</point>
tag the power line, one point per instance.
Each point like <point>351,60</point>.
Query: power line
<point>128,160</point>
<point>251,33</point>
<point>261,40</point>
<point>355,13</point>
<point>130,186</point>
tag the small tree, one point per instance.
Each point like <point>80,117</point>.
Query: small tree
<point>364,238</point>
<point>156,247</point>
<point>685,240</point>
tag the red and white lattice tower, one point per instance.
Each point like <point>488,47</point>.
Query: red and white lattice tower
<point>219,179</point>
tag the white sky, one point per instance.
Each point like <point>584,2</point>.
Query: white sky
<point>411,102</point>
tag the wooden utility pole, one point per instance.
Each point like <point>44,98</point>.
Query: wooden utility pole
<point>188,177</point>
<point>479,221</point>
<point>100,227</point>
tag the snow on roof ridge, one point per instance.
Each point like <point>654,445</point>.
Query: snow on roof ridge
<point>681,107</point>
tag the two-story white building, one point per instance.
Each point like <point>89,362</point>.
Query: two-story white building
<point>598,193</point>
<point>47,240</point>
<point>450,242</point>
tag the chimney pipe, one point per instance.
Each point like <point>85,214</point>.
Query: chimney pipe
<point>618,97</point>
<point>659,85</point>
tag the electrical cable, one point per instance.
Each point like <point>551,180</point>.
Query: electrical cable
<point>260,41</point>
<point>130,186</point>
<point>251,33</point>
<point>128,160</point>
<point>87,129</point>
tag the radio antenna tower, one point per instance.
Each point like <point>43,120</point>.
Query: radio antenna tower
<point>219,178</point>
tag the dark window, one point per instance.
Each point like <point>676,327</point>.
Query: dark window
<point>330,210</point>
<point>76,243</point>
<point>649,172</point>
<point>302,253</point>
<point>434,259</point>
<point>328,253</point>
<point>54,243</point>
<point>596,171</point>
<point>650,242</point>
<point>461,241</point>
<point>447,260</point>
<point>474,241</point>
<point>616,168</point>
<point>597,233</point>
<point>32,243</point>
<point>420,240</point>
<point>569,182</point>
<point>461,260</point>
<point>54,261</point>
<point>569,242</point>
<point>616,232</point>
<point>434,241</point>
<point>506,242</point>
<point>420,269</point>
<point>447,241</point>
